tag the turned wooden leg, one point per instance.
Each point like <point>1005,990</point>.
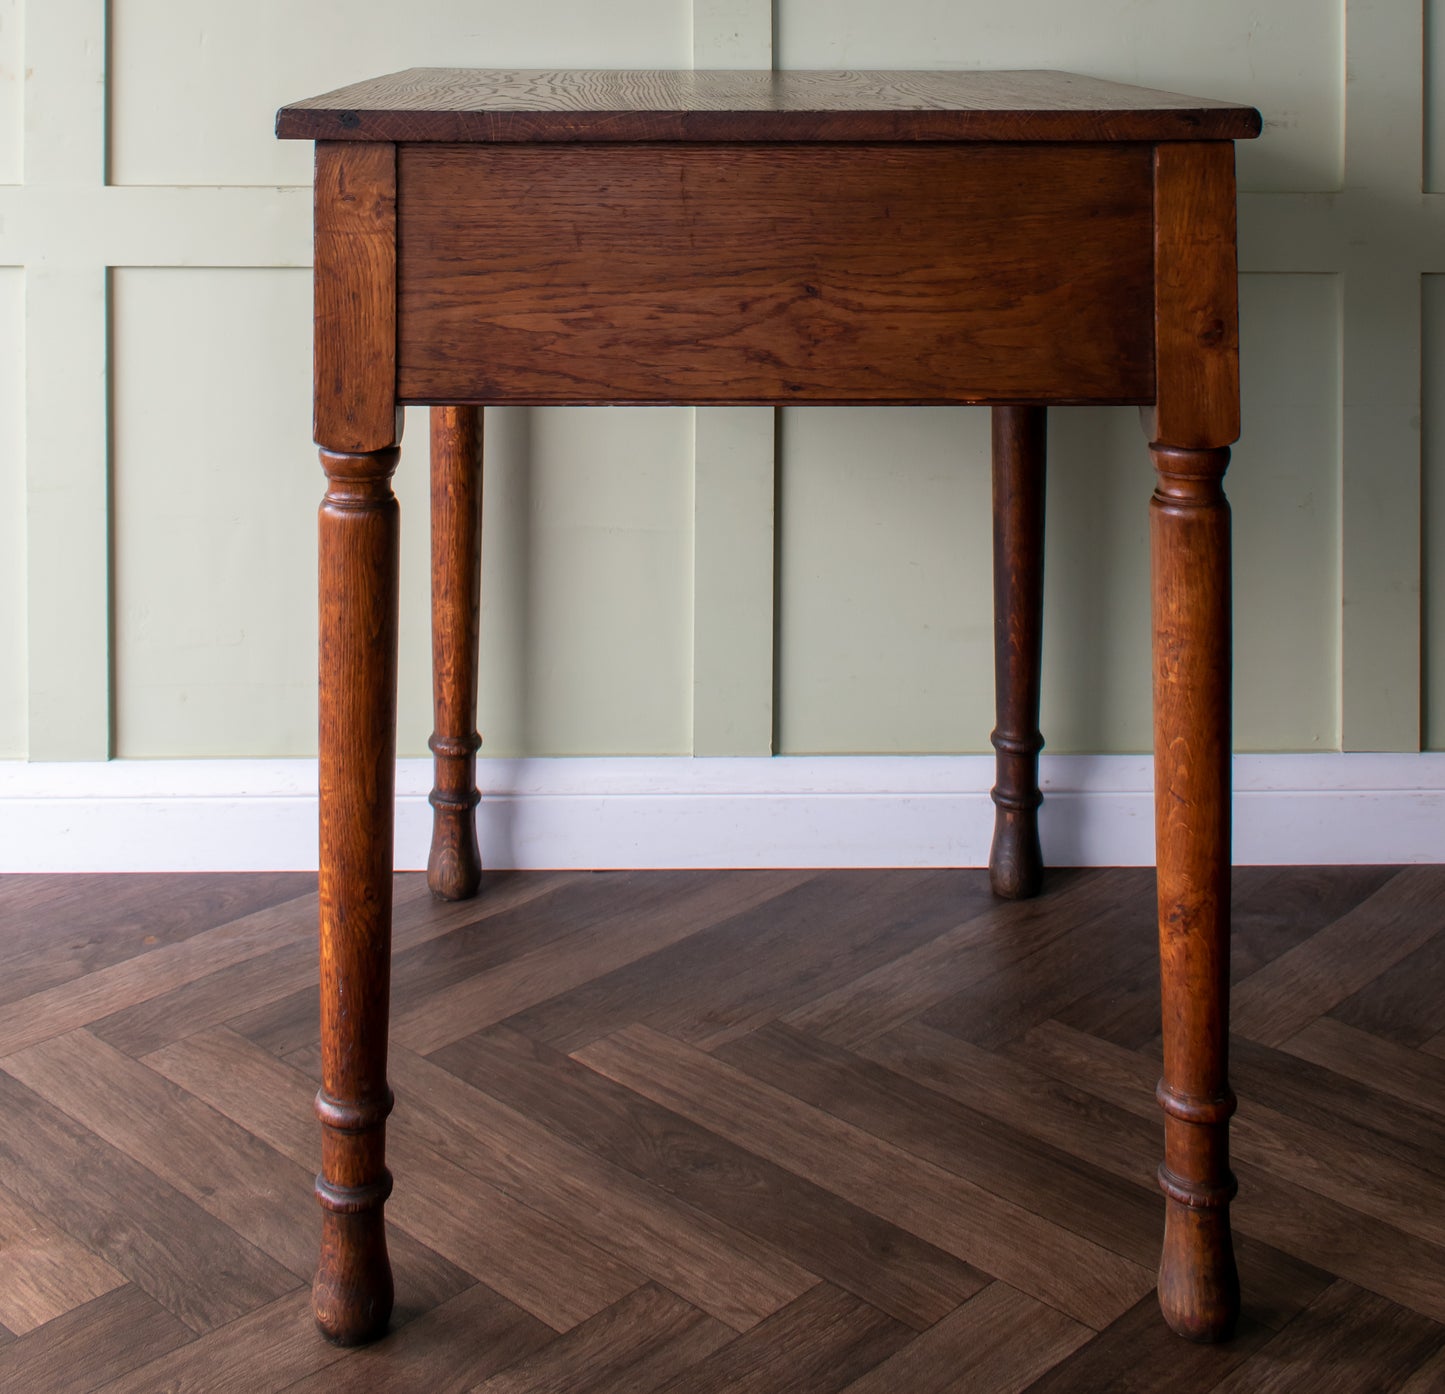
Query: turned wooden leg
<point>352,1294</point>
<point>454,868</point>
<point>1015,862</point>
<point>1189,530</point>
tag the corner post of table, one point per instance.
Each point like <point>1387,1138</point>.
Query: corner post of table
<point>454,866</point>
<point>358,427</point>
<point>1015,861</point>
<point>1190,428</point>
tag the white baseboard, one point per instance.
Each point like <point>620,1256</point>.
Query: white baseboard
<point>253,815</point>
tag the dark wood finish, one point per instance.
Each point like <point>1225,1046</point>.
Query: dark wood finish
<point>454,866</point>
<point>537,106</point>
<point>358,425</point>
<point>354,343</point>
<point>359,550</point>
<point>160,1168</point>
<point>1015,861</point>
<point>1015,239</point>
<point>1190,428</point>
<point>921,284</point>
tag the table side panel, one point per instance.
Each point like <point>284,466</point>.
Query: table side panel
<point>775,274</point>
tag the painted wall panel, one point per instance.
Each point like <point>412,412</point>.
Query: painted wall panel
<point>13,722</point>
<point>1434,117</point>
<point>1433,638</point>
<point>1284,58</point>
<point>1284,484</point>
<point>194,87</point>
<point>12,109</point>
<point>215,487</point>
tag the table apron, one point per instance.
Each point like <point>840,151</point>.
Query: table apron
<point>775,273</point>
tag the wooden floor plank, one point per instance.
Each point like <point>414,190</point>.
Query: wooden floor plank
<point>764,960</point>
<point>58,928</point>
<point>445,1352</point>
<point>1311,1155</point>
<point>290,971</point>
<point>1406,1075</point>
<point>978,949</point>
<point>728,1274</point>
<point>192,1264</point>
<point>1406,1003</point>
<point>634,1346</point>
<point>1362,1120</point>
<point>44,1273</point>
<point>862,1130</point>
<point>1331,1234</point>
<point>1000,1341</point>
<point>1064,1188</point>
<point>101,1340</point>
<point>820,1343</point>
<point>1056,1266</point>
<point>849,1245</point>
<point>1347,1342</point>
<point>528,1257</point>
<point>266,1349</point>
<point>1276,908</point>
<point>619,933</point>
<point>227,1171</point>
<point>1286,995</point>
<point>83,1000</point>
<point>1120,936</point>
<point>1114,1139</point>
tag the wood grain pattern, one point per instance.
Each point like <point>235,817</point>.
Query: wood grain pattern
<point>47,1272</point>
<point>359,553</point>
<point>454,863</point>
<point>999,1340</point>
<point>631,1348</point>
<point>1189,536</point>
<point>1015,860</point>
<point>1057,1267</point>
<point>354,284</point>
<point>175,1175</point>
<point>705,275</point>
<point>537,105</point>
<point>1196,299</point>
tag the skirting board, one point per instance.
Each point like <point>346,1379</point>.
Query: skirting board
<point>822,811</point>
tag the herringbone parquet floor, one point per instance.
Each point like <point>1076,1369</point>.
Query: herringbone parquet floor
<point>718,1131</point>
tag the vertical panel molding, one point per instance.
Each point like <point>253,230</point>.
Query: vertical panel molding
<point>733,491</point>
<point>1380,638</point>
<point>66,448</point>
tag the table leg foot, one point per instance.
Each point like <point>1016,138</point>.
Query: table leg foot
<point>454,867</point>
<point>1198,1282</point>
<point>1016,861</point>
<point>351,1296</point>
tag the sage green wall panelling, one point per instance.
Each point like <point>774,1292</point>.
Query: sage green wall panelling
<point>586,583</point>
<point>12,515</point>
<point>1434,116</point>
<point>1433,294</point>
<point>215,487</point>
<point>883,580</point>
<point>1285,58</point>
<point>1284,484</point>
<point>242,61</point>
<point>12,110</point>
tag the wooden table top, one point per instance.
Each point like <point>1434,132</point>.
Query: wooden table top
<point>535,105</point>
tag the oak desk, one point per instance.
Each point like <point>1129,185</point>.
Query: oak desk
<point>1017,239</point>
